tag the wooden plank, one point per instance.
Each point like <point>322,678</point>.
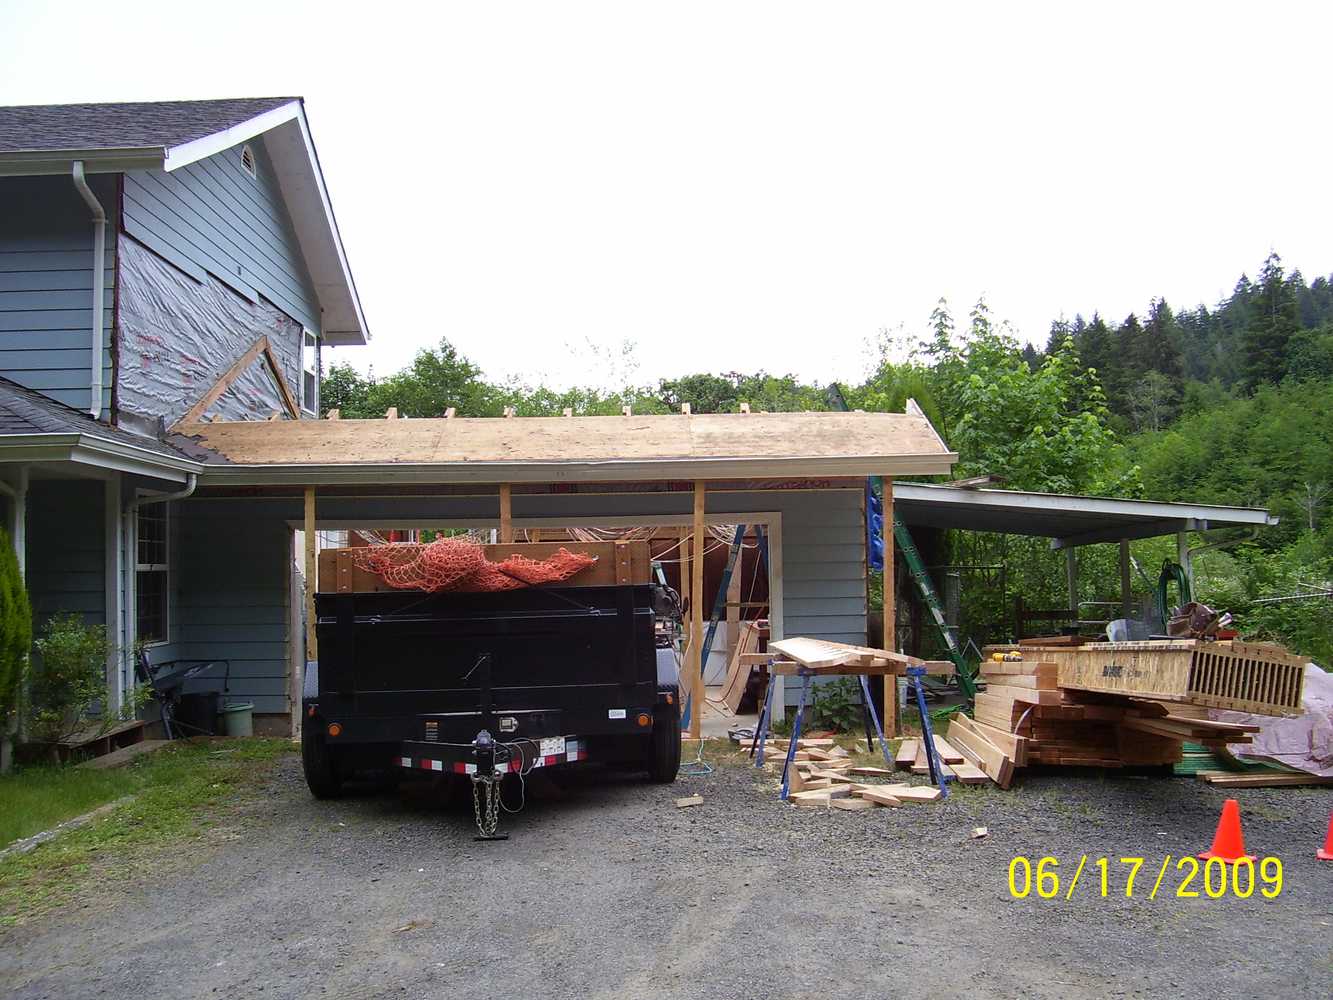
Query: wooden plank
<point>697,612</point>
<point>906,753</point>
<point>1025,694</point>
<point>834,792</point>
<point>901,793</point>
<point>878,796</point>
<point>947,753</point>
<point>989,757</point>
<point>873,772</point>
<point>1230,779</point>
<point>623,563</point>
<point>1020,667</point>
<point>224,382</point>
<point>506,514</point>
<point>817,653</point>
<point>689,800</point>
<point>970,774</point>
<point>852,805</point>
<point>1046,683</point>
<point>311,571</point>
<point>1014,746</point>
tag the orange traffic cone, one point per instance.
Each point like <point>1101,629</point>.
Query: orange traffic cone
<point>1228,842</point>
<point>1325,853</point>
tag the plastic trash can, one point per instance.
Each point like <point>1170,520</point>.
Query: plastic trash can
<point>238,719</point>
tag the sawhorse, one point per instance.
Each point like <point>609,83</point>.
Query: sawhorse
<point>807,675</point>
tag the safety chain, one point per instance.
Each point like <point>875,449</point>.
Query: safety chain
<point>488,816</point>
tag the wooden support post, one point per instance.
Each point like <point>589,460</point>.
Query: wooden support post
<point>506,514</point>
<point>697,615</point>
<point>1071,580</point>
<point>891,713</point>
<point>733,605</point>
<point>1124,578</point>
<point>311,641</point>
<point>1183,556</point>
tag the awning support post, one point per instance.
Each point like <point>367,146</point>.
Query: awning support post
<point>311,641</point>
<point>1071,579</point>
<point>697,615</point>
<point>1183,556</point>
<point>1124,578</point>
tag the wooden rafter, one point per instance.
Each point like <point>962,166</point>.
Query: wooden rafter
<point>238,367</point>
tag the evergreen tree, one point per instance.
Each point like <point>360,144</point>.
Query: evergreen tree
<point>1271,326</point>
<point>15,637</point>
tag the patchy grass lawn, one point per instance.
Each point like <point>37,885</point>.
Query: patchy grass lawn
<point>178,794</point>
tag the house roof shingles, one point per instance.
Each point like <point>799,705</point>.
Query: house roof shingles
<point>25,411</point>
<point>149,124</point>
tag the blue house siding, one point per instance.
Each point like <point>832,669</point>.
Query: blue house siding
<point>66,549</point>
<point>211,216</point>
<point>232,587</point>
<point>46,285</point>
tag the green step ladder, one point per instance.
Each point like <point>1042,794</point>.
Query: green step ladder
<point>926,587</point>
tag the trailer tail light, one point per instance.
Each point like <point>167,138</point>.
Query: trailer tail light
<point>645,719</point>
<point>671,698</point>
<point>335,729</point>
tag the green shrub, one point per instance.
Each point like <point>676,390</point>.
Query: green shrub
<point>68,677</point>
<point>837,705</point>
<point>15,631</point>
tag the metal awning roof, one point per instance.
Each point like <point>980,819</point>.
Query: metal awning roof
<point>1067,519</point>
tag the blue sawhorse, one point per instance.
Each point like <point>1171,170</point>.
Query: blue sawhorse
<point>914,674</point>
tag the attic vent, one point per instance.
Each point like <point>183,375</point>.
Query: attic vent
<point>248,161</point>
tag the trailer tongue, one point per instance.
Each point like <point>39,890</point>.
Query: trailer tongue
<point>489,686</point>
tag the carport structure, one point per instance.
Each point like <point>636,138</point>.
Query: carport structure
<point>801,475</point>
<point>1071,521</point>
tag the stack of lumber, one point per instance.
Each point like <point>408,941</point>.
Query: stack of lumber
<point>1027,718</point>
<point>1258,677</point>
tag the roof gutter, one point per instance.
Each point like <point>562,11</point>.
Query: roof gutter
<point>99,286</point>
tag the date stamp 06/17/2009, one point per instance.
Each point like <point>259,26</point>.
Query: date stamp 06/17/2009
<point>1184,877</point>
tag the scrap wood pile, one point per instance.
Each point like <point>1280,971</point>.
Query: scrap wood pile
<point>825,776</point>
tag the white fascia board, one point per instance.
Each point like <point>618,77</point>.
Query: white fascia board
<point>1061,502</point>
<point>31,163</point>
<point>337,338</point>
<point>383,473</point>
<point>98,452</point>
<point>201,149</point>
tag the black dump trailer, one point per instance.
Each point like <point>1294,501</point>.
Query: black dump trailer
<point>486,685</point>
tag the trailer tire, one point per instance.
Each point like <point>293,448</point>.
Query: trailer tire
<point>319,762</point>
<point>664,759</point>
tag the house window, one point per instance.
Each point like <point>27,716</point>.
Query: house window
<point>309,372</point>
<point>151,574</point>
<point>248,161</point>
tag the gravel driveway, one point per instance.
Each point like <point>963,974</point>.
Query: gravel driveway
<point>605,889</point>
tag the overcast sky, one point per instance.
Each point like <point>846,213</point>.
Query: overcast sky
<point>734,186</point>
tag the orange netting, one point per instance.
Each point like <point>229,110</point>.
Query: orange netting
<point>461,565</point>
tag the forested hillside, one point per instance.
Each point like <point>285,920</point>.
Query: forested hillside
<point>1230,403</point>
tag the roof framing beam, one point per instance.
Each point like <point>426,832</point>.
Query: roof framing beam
<point>1143,529</point>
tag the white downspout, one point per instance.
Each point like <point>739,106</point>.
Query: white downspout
<point>131,611</point>
<point>99,284</point>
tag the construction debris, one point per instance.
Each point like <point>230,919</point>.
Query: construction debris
<point>689,800</point>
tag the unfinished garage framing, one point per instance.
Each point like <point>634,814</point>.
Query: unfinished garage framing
<point>800,475</point>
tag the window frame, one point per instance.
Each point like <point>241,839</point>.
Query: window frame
<point>163,568</point>
<point>309,337</point>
